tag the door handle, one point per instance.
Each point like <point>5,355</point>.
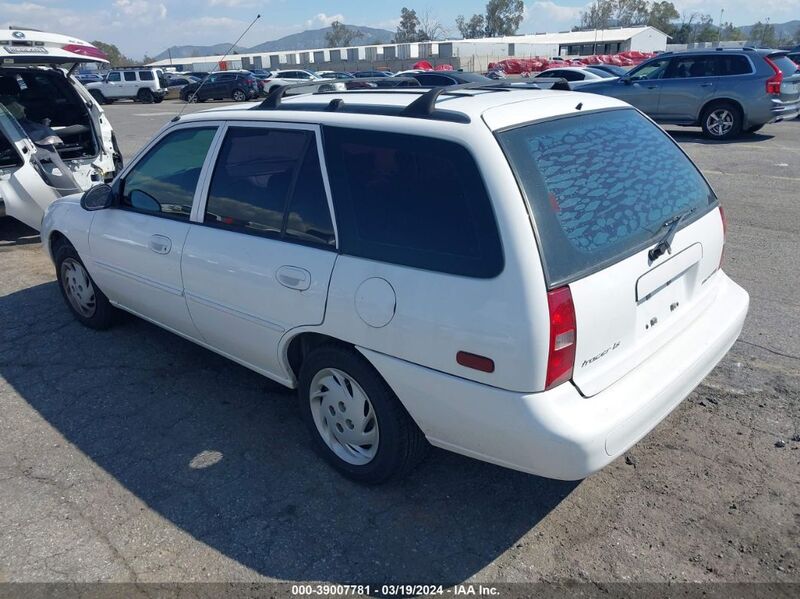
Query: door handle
<point>294,277</point>
<point>160,244</point>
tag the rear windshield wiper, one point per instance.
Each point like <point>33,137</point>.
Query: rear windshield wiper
<point>665,245</point>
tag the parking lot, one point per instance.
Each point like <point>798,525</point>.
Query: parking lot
<point>133,455</point>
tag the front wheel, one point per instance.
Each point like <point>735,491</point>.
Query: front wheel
<point>87,303</point>
<point>722,121</point>
<point>356,421</point>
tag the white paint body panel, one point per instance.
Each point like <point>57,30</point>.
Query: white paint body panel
<point>227,284</point>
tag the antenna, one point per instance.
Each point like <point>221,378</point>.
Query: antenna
<point>214,70</point>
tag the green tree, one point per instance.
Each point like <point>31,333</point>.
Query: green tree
<point>705,31</point>
<point>340,35</point>
<point>661,16</point>
<point>409,30</point>
<point>473,28</point>
<point>731,33</point>
<point>628,13</point>
<point>115,57</point>
<point>503,17</point>
<point>763,35</point>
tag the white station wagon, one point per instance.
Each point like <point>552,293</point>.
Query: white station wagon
<point>530,278</point>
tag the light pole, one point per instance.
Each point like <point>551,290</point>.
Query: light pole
<point>719,29</point>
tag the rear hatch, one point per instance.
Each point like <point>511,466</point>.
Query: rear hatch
<point>604,188</point>
<point>29,47</point>
<point>789,76</point>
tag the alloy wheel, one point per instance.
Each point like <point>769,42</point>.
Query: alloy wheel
<point>720,122</point>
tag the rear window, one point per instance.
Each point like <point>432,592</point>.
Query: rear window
<point>601,186</point>
<point>785,64</point>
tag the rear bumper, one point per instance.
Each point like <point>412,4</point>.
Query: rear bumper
<point>783,110</point>
<point>559,433</point>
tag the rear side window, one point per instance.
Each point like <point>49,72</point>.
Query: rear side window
<point>412,200</point>
<point>601,186</point>
<point>268,182</point>
<point>129,76</point>
<point>146,75</point>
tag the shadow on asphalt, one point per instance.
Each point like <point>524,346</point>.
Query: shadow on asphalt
<point>220,452</point>
<point>696,136</point>
<point>13,232</point>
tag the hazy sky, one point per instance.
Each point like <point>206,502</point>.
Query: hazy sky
<point>150,26</point>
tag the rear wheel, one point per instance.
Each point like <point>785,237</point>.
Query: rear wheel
<point>83,297</point>
<point>722,121</point>
<point>239,96</point>
<point>145,96</point>
<point>356,421</point>
<point>98,96</point>
<point>158,99</point>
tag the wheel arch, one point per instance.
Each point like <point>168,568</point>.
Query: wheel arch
<point>295,347</point>
<point>726,100</point>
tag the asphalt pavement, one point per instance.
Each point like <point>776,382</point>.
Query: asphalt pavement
<point>133,455</point>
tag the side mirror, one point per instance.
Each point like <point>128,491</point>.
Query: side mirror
<point>98,197</point>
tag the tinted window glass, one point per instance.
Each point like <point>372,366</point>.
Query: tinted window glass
<point>733,65</point>
<point>164,181</point>
<point>785,64</point>
<point>650,70</point>
<point>146,75</point>
<point>129,76</point>
<point>434,80</point>
<point>309,216</point>
<point>412,200</point>
<point>113,77</point>
<point>255,172</point>
<point>601,186</point>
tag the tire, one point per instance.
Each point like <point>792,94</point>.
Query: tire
<point>145,96</point>
<point>98,96</point>
<point>190,98</point>
<point>722,121</point>
<point>239,96</point>
<point>158,99</point>
<point>357,398</point>
<point>83,297</point>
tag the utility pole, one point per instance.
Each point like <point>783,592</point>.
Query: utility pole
<point>719,29</point>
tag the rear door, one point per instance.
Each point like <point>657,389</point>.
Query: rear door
<point>258,261</point>
<point>688,84</point>
<point>23,191</point>
<point>604,188</point>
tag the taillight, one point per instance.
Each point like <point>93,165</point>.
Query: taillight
<point>90,51</point>
<point>774,82</point>
<point>563,330</point>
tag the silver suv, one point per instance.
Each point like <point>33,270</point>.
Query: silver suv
<point>726,92</point>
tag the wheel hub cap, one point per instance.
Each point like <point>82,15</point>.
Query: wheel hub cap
<point>344,416</point>
<point>78,287</point>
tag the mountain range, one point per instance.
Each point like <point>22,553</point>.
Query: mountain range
<point>313,38</point>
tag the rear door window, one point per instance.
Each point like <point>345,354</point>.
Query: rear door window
<point>130,76</point>
<point>600,187</point>
<point>412,200</point>
<point>268,182</point>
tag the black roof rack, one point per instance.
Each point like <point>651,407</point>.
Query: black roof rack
<point>422,107</point>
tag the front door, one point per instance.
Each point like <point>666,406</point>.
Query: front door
<point>113,86</point>
<point>642,88</point>
<point>259,262</point>
<point>23,191</point>
<point>136,246</point>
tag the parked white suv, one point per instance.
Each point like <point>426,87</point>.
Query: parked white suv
<point>55,139</point>
<point>141,84</point>
<point>290,77</point>
<point>530,278</point>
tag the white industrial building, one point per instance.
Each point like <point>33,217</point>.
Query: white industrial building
<point>469,54</point>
